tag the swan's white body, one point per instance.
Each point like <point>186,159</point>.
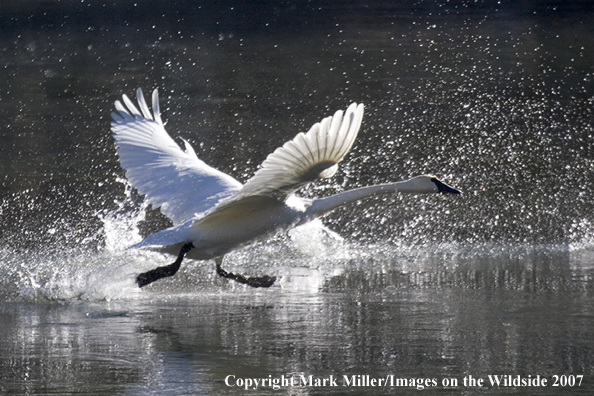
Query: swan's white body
<point>215,212</point>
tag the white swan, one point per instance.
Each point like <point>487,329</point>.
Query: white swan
<point>212,212</point>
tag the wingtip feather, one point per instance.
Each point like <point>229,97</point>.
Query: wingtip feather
<point>132,109</point>
<point>142,103</point>
<point>156,109</point>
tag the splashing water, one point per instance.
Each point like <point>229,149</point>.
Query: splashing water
<point>105,271</point>
<point>120,226</point>
<point>308,259</point>
<point>86,271</point>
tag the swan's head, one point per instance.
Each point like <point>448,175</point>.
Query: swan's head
<point>430,184</point>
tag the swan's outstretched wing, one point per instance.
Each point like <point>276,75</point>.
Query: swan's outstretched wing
<point>173,179</point>
<point>307,157</point>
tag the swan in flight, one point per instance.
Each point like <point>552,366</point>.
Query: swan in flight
<point>212,212</point>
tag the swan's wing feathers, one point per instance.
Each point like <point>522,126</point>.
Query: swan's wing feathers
<point>131,107</point>
<point>175,180</point>
<point>156,108</point>
<point>309,156</point>
<point>143,107</point>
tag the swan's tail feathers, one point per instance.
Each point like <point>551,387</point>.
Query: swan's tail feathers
<point>168,240</point>
<point>309,156</point>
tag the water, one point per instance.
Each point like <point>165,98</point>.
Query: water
<point>496,99</point>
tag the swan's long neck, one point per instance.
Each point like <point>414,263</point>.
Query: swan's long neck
<point>322,206</point>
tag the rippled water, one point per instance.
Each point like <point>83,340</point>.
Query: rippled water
<point>496,99</point>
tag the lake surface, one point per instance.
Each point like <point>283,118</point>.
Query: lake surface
<point>489,292</point>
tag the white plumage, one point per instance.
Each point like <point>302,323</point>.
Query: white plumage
<point>175,180</point>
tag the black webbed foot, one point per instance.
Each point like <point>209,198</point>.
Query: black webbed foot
<point>253,281</point>
<point>162,272</point>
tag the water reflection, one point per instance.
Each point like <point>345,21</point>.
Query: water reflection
<point>528,268</point>
<point>67,345</point>
<point>503,312</point>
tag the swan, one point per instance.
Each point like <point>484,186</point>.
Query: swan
<point>213,213</point>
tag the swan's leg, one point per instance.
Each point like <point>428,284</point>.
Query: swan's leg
<point>162,272</point>
<point>264,281</point>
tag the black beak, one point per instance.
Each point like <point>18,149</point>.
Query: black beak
<point>444,188</point>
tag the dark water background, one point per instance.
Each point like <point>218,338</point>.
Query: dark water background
<point>494,97</point>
